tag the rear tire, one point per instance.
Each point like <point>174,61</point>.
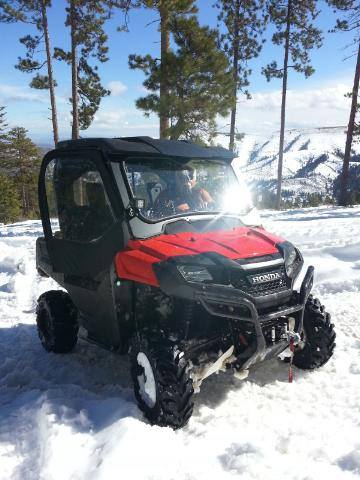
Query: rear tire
<point>319,337</point>
<point>162,386</point>
<point>56,319</point>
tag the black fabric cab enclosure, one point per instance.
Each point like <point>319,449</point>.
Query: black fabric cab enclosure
<point>81,209</point>
<point>81,214</point>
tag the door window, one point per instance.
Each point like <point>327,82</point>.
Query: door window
<point>79,207</point>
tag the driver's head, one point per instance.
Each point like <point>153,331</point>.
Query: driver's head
<point>192,173</point>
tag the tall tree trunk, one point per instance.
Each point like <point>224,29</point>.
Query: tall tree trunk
<point>50,73</point>
<point>349,136</point>
<point>74,73</point>
<point>23,201</point>
<point>27,200</point>
<point>283,106</point>
<point>235,73</point>
<point>165,45</point>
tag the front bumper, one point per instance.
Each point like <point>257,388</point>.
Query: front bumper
<point>238,307</point>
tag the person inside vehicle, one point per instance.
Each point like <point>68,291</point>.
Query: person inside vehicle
<point>182,196</point>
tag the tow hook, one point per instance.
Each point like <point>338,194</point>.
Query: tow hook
<point>290,334</point>
<point>293,337</point>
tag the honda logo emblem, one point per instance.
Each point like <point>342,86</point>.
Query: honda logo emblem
<point>265,277</point>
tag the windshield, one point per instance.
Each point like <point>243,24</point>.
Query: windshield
<point>165,188</point>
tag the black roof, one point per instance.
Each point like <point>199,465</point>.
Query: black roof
<point>149,145</point>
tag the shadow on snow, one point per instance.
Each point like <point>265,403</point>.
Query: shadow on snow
<point>89,381</point>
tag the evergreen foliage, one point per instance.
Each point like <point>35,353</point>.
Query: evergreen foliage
<point>19,166</point>
<point>167,10</point>
<point>353,185</point>
<point>9,200</point>
<point>199,84</point>
<point>245,22</point>
<point>86,19</point>
<point>20,162</point>
<point>349,19</point>
<point>302,35</point>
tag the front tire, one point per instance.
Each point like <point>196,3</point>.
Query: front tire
<point>319,337</point>
<point>162,386</point>
<point>56,319</point>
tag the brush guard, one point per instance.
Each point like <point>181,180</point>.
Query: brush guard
<point>210,300</point>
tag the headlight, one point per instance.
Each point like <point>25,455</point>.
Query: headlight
<point>290,255</point>
<point>193,273</point>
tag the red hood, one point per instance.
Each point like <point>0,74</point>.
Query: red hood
<point>135,263</point>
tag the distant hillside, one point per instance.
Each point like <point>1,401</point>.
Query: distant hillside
<point>312,161</point>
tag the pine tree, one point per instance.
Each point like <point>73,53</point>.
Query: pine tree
<point>9,200</point>
<point>34,12</point>
<point>353,186</point>
<point>168,9</point>
<point>21,163</point>
<point>86,19</point>
<point>297,34</point>
<point>245,22</point>
<point>199,83</point>
<point>349,22</point>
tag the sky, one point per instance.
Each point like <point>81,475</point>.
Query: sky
<point>314,102</point>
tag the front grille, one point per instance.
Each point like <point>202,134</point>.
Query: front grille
<point>240,281</point>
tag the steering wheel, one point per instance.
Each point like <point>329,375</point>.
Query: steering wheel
<point>167,209</point>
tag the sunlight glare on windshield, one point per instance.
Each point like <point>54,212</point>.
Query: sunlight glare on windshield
<point>237,200</point>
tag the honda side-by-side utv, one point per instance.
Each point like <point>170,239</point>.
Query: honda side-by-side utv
<point>153,245</point>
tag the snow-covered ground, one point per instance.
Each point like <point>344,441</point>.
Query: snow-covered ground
<point>74,416</point>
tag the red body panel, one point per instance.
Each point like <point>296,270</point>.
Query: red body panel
<point>135,263</point>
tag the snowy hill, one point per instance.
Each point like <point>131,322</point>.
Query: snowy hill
<point>312,160</point>
<point>74,416</point>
